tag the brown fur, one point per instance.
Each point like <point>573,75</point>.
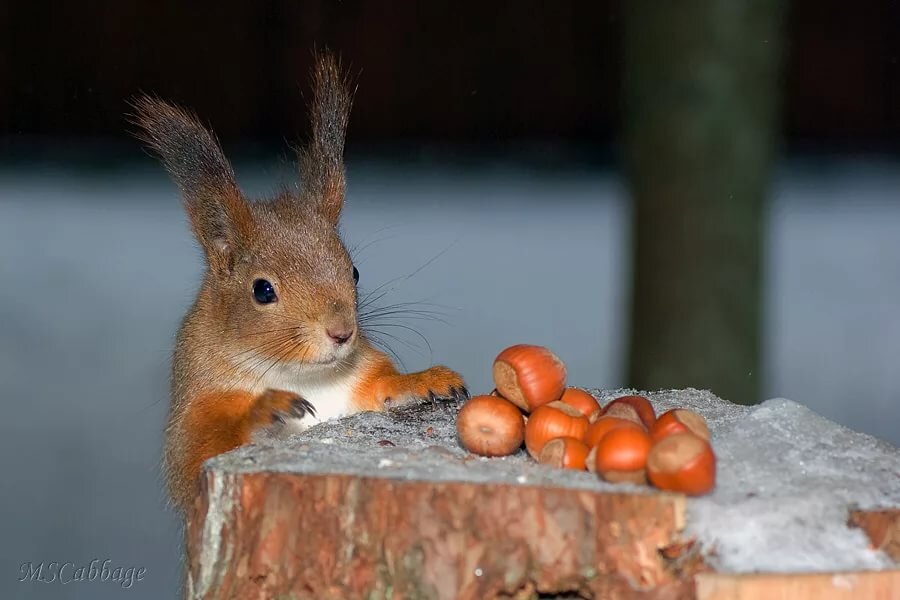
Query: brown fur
<point>227,342</point>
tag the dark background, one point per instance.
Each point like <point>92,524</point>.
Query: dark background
<point>475,72</point>
<point>484,145</point>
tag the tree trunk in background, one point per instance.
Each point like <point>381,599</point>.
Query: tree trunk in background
<point>700,102</point>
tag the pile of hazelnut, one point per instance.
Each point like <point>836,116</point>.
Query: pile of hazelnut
<point>623,441</point>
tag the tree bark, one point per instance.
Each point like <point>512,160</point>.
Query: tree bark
<point>310,536</point>
<point>700,105</point>
<point>882,527</point>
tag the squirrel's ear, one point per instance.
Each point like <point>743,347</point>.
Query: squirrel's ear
<point>322,160</point>
<point>219,214</point>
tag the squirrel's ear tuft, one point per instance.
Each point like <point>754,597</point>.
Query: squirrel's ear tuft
<point>219,215</point>
<point>322,160</point>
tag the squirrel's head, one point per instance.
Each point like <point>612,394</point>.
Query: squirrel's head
<point>282,284</point>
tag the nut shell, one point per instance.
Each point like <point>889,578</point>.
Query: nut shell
<point>490,426</point>
<point>641,405</point>
<point>551,421</point>
<point>679,420</point>
<point>682,462</point>
<point>529,376</point>
<point>564,453</point>
<point>580,400</point>
<point>604,425</point>
<point>621,455</point>
<point>623,410</point>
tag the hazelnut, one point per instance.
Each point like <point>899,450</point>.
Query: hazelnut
<point>604,425</point>
<point>621,455</point>
<point>641,405</point>
<point>490,426</point>
<point>564,453</point>
<point>529,376</point>
<point>551,421</point>
<point>679,420</point>
<point>580,400</point>
<point>623,410</point>
<point>682,462</point>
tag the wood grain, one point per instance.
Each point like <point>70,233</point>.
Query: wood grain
<point>869,585</point>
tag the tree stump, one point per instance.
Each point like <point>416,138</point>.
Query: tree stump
<point>340,536</point>
<point>387,505</point>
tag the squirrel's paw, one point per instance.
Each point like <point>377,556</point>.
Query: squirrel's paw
<point>436,384</point>
<point>280,413</point>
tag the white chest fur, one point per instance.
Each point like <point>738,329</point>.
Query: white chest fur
<point>328,388</point>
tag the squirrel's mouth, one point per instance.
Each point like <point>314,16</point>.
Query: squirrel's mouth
<point>326,362</point>
<point>335,354</point>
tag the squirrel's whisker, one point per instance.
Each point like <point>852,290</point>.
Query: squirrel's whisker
<point>261,350</point>
<point>407,328</point>
<point>385,347</point>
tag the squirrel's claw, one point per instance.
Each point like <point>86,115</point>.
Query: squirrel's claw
<point>302,407</point>
<point>435,386</point>
<point>460,394</point>
<point>456,395</point>
<point>298,408</point>
<point>278,407</point>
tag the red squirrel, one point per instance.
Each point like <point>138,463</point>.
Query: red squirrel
<point>272,343</point>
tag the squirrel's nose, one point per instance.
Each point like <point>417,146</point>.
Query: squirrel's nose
<point>339,335</point>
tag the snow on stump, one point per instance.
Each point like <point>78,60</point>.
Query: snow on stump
<point>387,505</point>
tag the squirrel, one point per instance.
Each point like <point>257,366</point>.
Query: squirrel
<point>272,344</point>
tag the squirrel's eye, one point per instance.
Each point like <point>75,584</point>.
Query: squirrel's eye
<point>264,292</point>
<point>355,274</point>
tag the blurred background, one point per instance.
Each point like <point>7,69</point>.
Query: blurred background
<point>704,194</point>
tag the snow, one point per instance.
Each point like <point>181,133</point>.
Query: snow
<point>787,477</point>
